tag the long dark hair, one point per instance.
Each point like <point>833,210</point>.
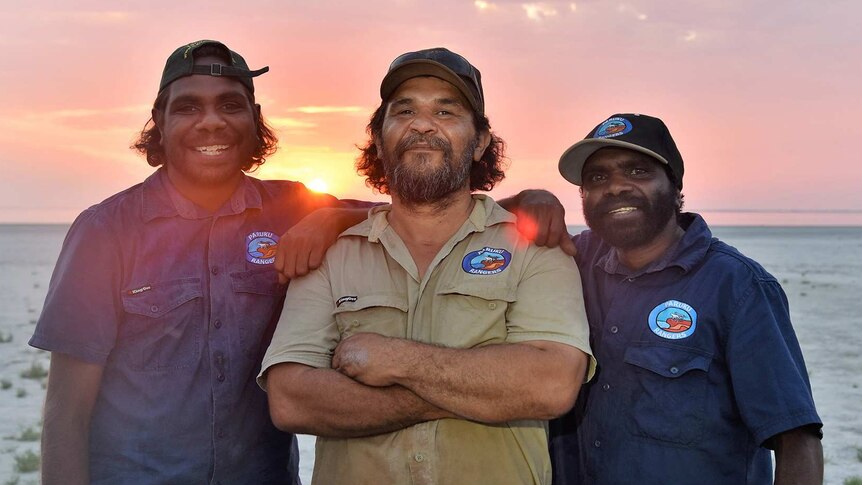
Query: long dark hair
<point>484,174</point>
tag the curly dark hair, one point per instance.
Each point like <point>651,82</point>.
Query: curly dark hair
<point>149,142</point>
<point>484,174</point>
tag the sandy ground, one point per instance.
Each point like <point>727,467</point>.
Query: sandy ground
<point>820,269</point>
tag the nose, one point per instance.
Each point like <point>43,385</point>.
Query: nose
<point>423,123</point>
<point>618,183</point>
<point>211,120</point>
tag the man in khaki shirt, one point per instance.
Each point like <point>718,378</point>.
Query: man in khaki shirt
<point>434,341</point>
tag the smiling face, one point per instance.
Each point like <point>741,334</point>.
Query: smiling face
<point>208,129</point>
<point>627,196</point>
<point>428,141</point>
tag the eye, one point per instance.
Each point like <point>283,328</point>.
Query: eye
<point>593,178</point>
<point>232,107</point>
<point>444,112</point>
<point>186,109</point>
<point>638,172</point>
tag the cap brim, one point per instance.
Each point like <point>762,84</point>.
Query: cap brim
<point>426,67</point>
<point>573,160</point>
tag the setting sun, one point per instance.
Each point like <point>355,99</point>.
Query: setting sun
<point>318,185</point>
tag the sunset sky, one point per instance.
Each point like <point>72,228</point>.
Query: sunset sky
<point>762,97</point>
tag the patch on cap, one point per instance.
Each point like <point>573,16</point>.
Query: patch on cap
<point>613,127</point>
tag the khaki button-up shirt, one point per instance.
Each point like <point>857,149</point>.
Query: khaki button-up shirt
<point>486,286</point>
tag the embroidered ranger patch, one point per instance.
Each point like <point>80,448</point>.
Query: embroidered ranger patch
<point>486,261</point>
<point>613,127</point>
<point>673,320</point>
<point>344,299</point>
<point>260,247</point>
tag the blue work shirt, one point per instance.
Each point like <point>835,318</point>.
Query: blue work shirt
<point>178,305</point>
<point>698,366</point>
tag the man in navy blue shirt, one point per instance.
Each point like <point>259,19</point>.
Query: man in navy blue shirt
<point>165,296</point>
<point>700,373</point>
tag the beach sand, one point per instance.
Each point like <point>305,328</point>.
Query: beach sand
<point>820,269</point>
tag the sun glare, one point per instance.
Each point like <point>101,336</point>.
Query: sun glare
<point>318,185</point>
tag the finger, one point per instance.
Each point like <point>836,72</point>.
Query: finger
<point>526,225</point>
<point>315,256</point>
<point>300,267</point>
<point>556,228</point>
<point>543,225</point>
<point>567,245</point>
<point>278,264</point>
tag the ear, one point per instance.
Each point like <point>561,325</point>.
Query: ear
<point>483,139</point>
<point>256,113</point>
<point>581,192</point>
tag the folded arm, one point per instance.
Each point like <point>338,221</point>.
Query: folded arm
<point>304,399</point>
<point>490,384</point>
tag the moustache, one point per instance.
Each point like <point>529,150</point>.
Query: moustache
<point>611,202</point>
<point>419,139</point>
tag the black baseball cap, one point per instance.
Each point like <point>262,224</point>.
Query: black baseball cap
<point>637,132</point>
<point>182,63</point>
<point>441,63</point>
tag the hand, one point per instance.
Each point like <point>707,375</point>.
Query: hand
<point>302,247</point>
<point>542,219</point>
<point>369,358</point>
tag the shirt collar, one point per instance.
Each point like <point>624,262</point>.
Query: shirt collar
<point>685,254</point>
<point>161,199</point>
<point>485,213</point>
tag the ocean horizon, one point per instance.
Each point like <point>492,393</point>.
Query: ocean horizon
<point>715,218</point>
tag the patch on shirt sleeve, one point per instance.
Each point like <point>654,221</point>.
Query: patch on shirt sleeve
<point>260,247</point>
<point>673,320</point>
<point>486,261</point>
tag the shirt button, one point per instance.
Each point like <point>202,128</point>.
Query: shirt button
<point>154,308</point>
<point>492,305</point>
<point>606,386</point>
<point>597,444</point>
<point>214,270</point>
<point>615,329</point>
<point>354,323</point>
<point>217,324</point>
<point>220,377</point>
<point>674,370</point>
<point>419,457</point>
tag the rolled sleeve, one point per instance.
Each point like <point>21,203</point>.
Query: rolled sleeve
<point>769,377</point>
<point>550,304</point>
<point>306,332</point>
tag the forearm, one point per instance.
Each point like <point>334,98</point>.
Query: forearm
<point>495,383</point>
<point>73,387</point>
<point>323,402</point>
<point>65,451</point>
<point>798,458</point>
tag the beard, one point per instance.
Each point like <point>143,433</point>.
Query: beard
<point>655,212</point>
<point>419,182</point>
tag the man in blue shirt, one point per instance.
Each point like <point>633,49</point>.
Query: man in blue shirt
<point>699,374</point>
<point>165,296</point>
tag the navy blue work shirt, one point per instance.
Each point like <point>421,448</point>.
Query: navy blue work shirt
<point>178,305</point>
<point>698,366</point>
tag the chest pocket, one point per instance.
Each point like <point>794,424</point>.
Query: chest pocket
<point>382,313</point>
<point>256,295</point>
<point>668,399</point>
<point>471,313</point>
<point>162,326</point>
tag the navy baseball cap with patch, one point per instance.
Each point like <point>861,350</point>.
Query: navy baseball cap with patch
<point>440,63</point>
<point>182,63</point>
<point>637,132</point>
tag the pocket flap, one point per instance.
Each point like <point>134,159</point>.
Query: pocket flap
<point>360,302</point>
<point>157,299</point>
<point>262,281</point>
<point>485,292</point>
<point>668,361</point>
